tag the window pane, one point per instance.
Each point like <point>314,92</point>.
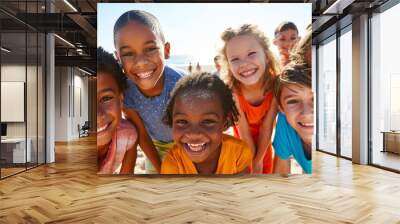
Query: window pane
<point>385,85</point>
<point>346,94</point>
<point>327,96</point>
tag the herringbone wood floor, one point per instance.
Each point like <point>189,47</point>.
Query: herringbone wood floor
<point>69,191</point>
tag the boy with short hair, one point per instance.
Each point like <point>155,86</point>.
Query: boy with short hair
<point>142,50</point>
<point>296,103</point>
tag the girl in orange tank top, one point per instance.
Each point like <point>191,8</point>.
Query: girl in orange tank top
<point>250,70</point>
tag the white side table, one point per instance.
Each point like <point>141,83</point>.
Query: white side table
<point>18,144</point>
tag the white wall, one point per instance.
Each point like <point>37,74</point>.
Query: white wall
<point>61,103</point>
<point>11,73</point>
<point>71,93</point>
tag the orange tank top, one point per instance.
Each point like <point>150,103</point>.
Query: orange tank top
<point>255,116</point>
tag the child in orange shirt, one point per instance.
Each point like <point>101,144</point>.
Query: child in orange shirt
<point>116,137</point>
<point>250,70</point>
<point>200,109</point>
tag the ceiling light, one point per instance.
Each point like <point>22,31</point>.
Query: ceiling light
<point>70,5</point>
<point>337,7</point>
<point>65,41</point>
<point>86,72</point>
<point>5,50</point>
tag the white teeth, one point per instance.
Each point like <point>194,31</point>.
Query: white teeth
<point>248,72</point>
<point>307,124</point>
<point>196,147</point>
<point>102,128</point>
<point>144,75</point>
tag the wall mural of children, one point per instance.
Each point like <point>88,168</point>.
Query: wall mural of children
<point>217,119</point>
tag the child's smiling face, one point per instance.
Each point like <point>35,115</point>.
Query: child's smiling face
<point>142,54</point>
<point>197,124</point>
<point>285,41</point>
<point>297,102</point>
<point>109,101</point>
<point>246,59</point>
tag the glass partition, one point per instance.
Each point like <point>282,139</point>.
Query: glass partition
<point>22,64</point>
<point>13,92</point>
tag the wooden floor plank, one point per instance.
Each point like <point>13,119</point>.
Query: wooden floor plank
<point>69,191</point>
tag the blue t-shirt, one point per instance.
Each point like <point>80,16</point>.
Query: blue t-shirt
<point>151,109</point>
<point>287,143</point>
